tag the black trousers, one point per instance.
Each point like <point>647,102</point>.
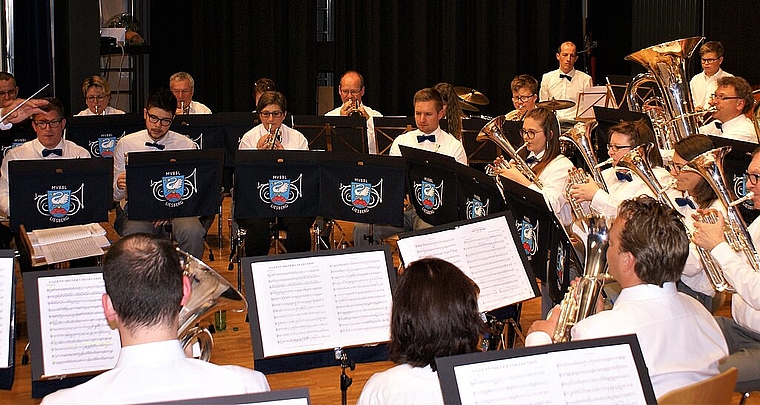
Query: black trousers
<point>259,233</point>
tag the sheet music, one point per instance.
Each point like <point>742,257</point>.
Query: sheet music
<point>485,251</point>
<point>72,249</point>
<point>76,337</point>
<point>588,98</point>
<point>52,235</point>
<point>6,309</point>
<point>322,302</point>
<point>595,375</point>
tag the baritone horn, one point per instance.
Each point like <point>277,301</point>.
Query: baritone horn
<point>492,132</point>
<point>210,293</point>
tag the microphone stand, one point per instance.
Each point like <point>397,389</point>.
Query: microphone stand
<point>345,380</point>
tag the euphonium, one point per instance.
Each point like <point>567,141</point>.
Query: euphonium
<point>580,137</point>
<point>710,166</point>
<point>580,299</point>
<point>666,64</point>
<point>210,293</point>
<point>492,131</point>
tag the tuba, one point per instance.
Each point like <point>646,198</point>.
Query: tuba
<point>210,293</point>
<point>710,166</point>
<point>492,131</point>
<point>666,65</point>
<point>580,299</point>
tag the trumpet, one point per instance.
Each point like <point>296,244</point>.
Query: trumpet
<point>355,110</point>
<point>273,138</point>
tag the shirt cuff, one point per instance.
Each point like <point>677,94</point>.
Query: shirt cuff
<point>5,127</point>
<point>538,338</point>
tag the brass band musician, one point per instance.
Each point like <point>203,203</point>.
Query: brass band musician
<point>524,96</point>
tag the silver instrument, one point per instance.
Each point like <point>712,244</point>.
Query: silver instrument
<point>355,109</point>
<point>273,138</point>
<point>710,166</point>
<point>666,65</point>
<point>210,293</point>
<point>492,131</point>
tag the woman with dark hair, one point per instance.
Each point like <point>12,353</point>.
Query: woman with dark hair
<point>453,114</point>
<point>623,184</point>
<point>435,314</point>
<point>697,193</point>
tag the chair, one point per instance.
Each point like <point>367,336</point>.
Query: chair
<point>712,391</point>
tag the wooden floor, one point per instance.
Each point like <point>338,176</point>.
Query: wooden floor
<point>234,345</point>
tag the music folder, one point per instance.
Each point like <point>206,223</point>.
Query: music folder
<point>293,396</point>
<point>174,183</point>
<point>304,305</point>
<point>48,193</point>
<point>596,371</point>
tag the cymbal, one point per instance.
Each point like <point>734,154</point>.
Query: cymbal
<point>471,96</point>
<point>556,104</point>
<point>465,106</point>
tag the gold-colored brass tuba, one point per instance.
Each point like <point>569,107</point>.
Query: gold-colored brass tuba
<point>710,166</point>
<point>492,132</point>
<point>666,65</point>
<point>210,293</point>
<point>580,299</point>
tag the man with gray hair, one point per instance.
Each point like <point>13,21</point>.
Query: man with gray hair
<point>732,100</point>
<point>182,86</point>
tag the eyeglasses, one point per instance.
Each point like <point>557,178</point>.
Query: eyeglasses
<point>752,178</point>
<point>347,92</point>
<point>99,98</point>
<point>529,134</point>
<point>183,91</point>
<point>275,114</point>
<point>8,93</point>
<point>615,148</point>
<point>164,121</point>
<point>679,168</point>
<point>719,97</point>
<point>708,61</point>
<point>522,99</point>
<point>44,124</point>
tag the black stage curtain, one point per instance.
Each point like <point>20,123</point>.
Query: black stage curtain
<point>33,62</point>
<point>227,45</point>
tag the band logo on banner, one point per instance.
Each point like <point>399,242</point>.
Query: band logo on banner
<point>528,236</point>
<point>174,188</point>
<point>362,196</point>
<point>103,146</point>
<point>279,192</point>
<point>475,208</point>
<point>16,142</point>
<point>60,203</point>
<point>428,195</point>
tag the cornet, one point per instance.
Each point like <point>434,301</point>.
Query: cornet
<point>273,138</point>
<point>355,109</point>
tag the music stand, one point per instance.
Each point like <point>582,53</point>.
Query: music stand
<point>606,118</point>
<point>618,85</point>
<point>304,305</point>
<point>7,319</point>
<point>595,96</point>
<point>60,339</point>
<point>477,152</point>
<point>234,126</point>
<point>735,166</point>
<point>293,396</point>
<point>533,374</point>
<point>99,134</point>
<point>48,193</point>
<point>388,128</point>
<point>173,184</point>
<point>333,133</point>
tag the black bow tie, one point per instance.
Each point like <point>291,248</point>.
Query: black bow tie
<point>531,160</point>
<point>564,76</point>
<point>685,201</point>
<point>155,145</point>
<point>623,176</point>
<point>48,152</point>
<point>719,126</point>
<point>423,138</point>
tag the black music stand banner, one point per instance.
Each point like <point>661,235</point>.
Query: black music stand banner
<point>388,128</point>
<point>12,139</point>
<point>7,319</point>
<point>368,189</point>
<point>49,193</point>
<point>205,130</point>
<point>333,133</point>
<point>432,185</point>
<point>280,183</point>
<point>735,166</point>
<point>174,183</point>
<point>99,134</point>
<point>477,194</point>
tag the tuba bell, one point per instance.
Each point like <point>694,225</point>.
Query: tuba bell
<point>492,132</point>
<point>666,65</point>
<point>210,293</point>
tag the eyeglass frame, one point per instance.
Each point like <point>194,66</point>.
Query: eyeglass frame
<point>529,134</point>
<point>10,92</point>
<point>274,114</point>
<point>750,176</point>
<point>165,122</point>
<point>678,169</point>
<point>347,92</point>
<point>97,98</point>
<point>611,146</point>
<point>52,123</point>
<point>709,61</point>
<point>523,99</point>
<point>721,98</point>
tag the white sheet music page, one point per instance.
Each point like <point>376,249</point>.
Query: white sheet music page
<point>76,337</point>
<point>485,251</point>
<point>322,302</point>
<point>595,375</point>
<point>52,235</point>
<point>6,308</point>
<point>62,251</point>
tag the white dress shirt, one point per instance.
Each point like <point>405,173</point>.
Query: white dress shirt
<point>745,304</point>
<point>136,142</point>
<point>371,139</point>
<point>552,85</point>
<point>402,385</point>
<point>445,143</point>
<point>160,371</point>
<point>108,111</point>
<point>694,274</point>
<point>607,203</point>
<point>292,139</point>
<point>29,151</point>
<point>680,340</point>
<point>702,87</point>
<point>554,179</point>
<point>197,107</point>
<point>739,128</point>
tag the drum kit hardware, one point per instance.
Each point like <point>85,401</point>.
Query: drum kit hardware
<point>556,104</point>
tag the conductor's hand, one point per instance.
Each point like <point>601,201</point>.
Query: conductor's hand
<point>706,235</point>
<point>27,110</point>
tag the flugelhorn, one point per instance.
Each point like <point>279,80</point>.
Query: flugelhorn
<point>710,166</point>
<point>492,132</point>
<point>210,293</point>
